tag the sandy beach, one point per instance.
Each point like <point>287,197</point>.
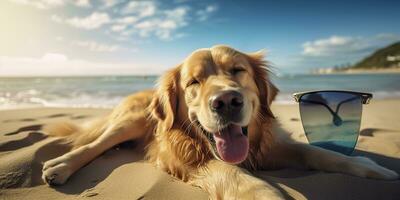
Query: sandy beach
<point>121,173</point>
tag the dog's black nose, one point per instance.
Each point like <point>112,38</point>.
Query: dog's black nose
<point>226,102</point>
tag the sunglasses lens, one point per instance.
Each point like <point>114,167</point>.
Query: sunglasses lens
<point>331,120</point>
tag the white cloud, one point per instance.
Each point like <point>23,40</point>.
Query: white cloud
<point>118,28</point>
<point>163,26</point>
<point>93,21</point>
<point>347,46</point>
<point>121,24</point>
<point>138,18</point>
<point>388,36</point>
<point>48,4</point>
<point>82,3</point>
<point>334,51</point>
<point>94,46</point>
<point>146,19</point>
<point>110,3</point>
<point>205,13</point>
<point>178,14</point>
<point>54,57</point>
<point>40,4</point>
<point>141,8</point>
<point>127,20</point>
<point>128,32</point>
<point>335,45</point>
<point>57,19</point>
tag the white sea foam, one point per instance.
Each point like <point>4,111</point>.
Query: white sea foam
<point>109,91</point>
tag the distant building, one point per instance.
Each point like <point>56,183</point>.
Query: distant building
<point>393,58</point>
<point>323,71</point>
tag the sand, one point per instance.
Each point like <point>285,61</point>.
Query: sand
<point>121,173</point>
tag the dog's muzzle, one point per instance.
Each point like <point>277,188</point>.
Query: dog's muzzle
<point>227,105</point>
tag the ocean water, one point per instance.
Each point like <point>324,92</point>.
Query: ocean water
<point>107,91</point>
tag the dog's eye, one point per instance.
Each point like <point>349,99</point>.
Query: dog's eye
<point>236,70</point>
<point>192,82</point>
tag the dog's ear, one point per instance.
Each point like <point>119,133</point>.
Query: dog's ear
<point>267,89</point>
<point>164,106</point>
<point>272,92</point>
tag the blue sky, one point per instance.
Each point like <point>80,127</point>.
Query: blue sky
<point>87,37</point>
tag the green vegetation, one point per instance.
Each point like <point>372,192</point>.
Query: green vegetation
<point>387,57</point>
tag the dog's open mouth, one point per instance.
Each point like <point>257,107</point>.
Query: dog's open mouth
<point>230,144</point>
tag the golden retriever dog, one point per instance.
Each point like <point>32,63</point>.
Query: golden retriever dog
<point>209,124</point>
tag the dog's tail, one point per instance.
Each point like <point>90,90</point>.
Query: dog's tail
<point>75,134</point>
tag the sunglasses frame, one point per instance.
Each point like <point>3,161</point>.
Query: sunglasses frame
<point>365,97</point>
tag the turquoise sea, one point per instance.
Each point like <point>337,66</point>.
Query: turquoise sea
<point>106,91</point>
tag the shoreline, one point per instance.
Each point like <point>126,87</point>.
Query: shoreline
<point>357,71</point>
<point>282,102</point>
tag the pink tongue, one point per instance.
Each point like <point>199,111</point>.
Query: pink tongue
<point>232,145</point>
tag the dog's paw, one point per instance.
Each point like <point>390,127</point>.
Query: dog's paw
<point>57,171</point>
<point>365,167</point>
<point>267,193</point>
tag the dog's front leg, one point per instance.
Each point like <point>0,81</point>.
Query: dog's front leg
<point>225,181</point>
<point>308,156</point>
<point>58,170</point>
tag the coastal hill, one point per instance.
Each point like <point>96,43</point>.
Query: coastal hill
<point>386,59</point>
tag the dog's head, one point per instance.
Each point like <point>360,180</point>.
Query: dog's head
<point>220,92</point>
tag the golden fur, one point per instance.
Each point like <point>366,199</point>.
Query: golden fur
<point>164,122</point>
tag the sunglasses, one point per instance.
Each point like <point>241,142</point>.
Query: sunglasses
<point>331,119</point>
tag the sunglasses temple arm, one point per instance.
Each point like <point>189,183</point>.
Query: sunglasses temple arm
<point>323,104</point>
<point>344,101</point>
<point>366,98</point>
